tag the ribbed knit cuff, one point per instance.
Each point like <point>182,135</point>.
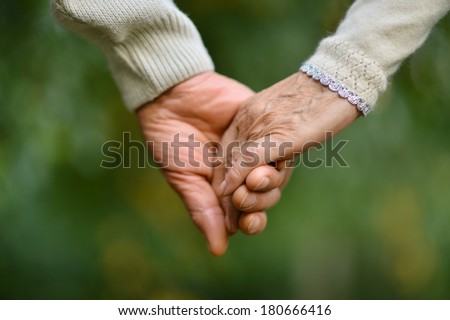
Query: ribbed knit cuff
<point>151,61</point>
<point>351,67</point>
<point>151,45</point>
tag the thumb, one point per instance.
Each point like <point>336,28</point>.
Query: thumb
<point>204,209</point>
<point>253,154</point>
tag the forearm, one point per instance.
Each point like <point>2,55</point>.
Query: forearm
<point>373,40</point>
<point>150,44</point>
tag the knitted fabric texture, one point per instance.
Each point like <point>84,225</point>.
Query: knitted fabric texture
<point>372,41</point>
<point>351,67</point>
<point>150,44</point>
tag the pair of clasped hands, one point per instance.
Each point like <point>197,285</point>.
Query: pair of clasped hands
<point>224,199</point>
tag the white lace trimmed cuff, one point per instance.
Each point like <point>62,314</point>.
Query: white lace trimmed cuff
<point>337,87</point>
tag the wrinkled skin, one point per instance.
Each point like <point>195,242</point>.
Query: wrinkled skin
<point>203,105</point>
<point>215,108</point>
<point>298,110</point>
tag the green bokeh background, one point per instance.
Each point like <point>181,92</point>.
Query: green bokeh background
<point>72,230</point>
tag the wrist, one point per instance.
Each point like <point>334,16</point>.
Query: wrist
<point>180,92</point>
<point>314,109</point>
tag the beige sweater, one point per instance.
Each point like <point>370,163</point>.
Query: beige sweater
<point>151,45</point>
<point>373,40</point>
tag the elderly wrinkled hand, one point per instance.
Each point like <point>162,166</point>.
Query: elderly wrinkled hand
<point>197,111</point>
<point>295,114</point>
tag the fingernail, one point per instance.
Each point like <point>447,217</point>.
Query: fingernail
<point>263,184</point>
<point>221,189</point>
<point>253,226</point>
<point>248,201</point>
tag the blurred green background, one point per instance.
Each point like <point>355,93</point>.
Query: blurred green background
<point>71,230</point>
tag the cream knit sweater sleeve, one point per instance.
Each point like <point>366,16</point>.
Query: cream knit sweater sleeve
<point>150,44</point>
<point>372,41</point>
